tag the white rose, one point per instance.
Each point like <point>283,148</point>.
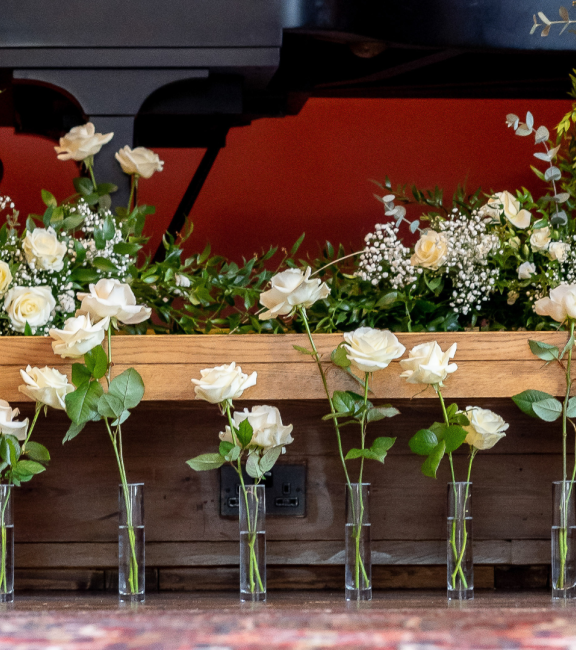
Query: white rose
<point>370,349</point>
<point>46,385</point>
<point>267,426</point>
<point>526,270</point>
<point>81,142</point>
<point>78,336</point>
<point>291,289</point>
<point>32,305</point>
<point>510,206</point>
<point>486,427</point>
<point>43,250</point>
<point>560,305</point>
<point>139,161</point>
<point>427,364</point>
<point>558,250</point>
<point>222,383</point>
<point>430,250</point>
<point>540,239</point>
<point>111,298</point>
<point>5,277</point>
<point>10,426</point>
<point>182,280</point>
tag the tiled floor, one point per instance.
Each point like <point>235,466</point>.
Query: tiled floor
<point>290,620</point>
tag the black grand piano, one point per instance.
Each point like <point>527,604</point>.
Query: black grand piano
<point>181,73</point>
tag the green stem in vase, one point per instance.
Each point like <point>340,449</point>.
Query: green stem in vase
<point>3,572</point>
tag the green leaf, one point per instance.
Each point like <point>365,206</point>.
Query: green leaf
<point>548,409</point>
<point>244,433</point>
<point>14,449</point>
<point>225,448</point>
<point>109,406</point>
<point>28,329</point>
<point>29,467</point>
<point>424,442</point>
<point>269,458</point>
<point>80,251</point>
<point>461,419</point>
<point>430,465</point>
<point>123,417</point>
<point>83,186</point>
<point>80,374</point>
<point>106,188</point>
<point>454,436</point>
<point>233,456</point>
<point>382,444</point>
<point>123,248</point>
<point>339,357</point>
<point>205,462</point>
<point>4,449</point>
<point>70,223</point>
<point>96,362</point>
<point>104,264</point>
<point>108,228</point>
<point>253,466</point>
<point>73,431</point>
<point>297,244</point>
<point>30,225</point>
<point>451,411</point>
<point>544,351</point>
<point>303,350</point>
<point>381,412</point>
<point>525,400</point>
<point>345,402</point>
<point>82,404</point>
<point>49,199</point>
<point>387,300</point>
<point>36,451</point>
<point>571,408</point>
<point>128,387</point>
<point>569,345</point>
<point>355,453</point>
<point>99,239</point>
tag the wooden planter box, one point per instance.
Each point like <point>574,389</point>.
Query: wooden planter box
<point>490,364</point>
<point>66,521</point>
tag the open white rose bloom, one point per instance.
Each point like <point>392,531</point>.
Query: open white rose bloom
<point>291,289</point>
<point>112,299</point>
<point>46,385</point>
<point>267,427</point>
<point>560,305</point>
<point>370,349</point>
<point>222,383</point>
<point>81,142</point>
<point>427,364</point>
<point>506,203</point>
<point>140,160</point>
<point>79,336</point>
<point>431,250</point>
<point>29,305</point>
<point>9,425</point>
<point>43,249</point>
<point>486,427</point>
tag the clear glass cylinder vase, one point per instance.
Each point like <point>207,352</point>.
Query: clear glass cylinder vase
<point>358,573</point>
<point>131,555</point>
<point>253,543</point>
<point>460,564</point>
<point>6,545</point>
<point>563,540</point>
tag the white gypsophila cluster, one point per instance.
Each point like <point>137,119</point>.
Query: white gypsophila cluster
<point>561,272</point>
<point>385,257</point>
<point>466,262</point>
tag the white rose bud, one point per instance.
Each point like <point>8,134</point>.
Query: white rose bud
<point>5,277</point>
<point>486,427</point>
<point>10,426</point>
<point>510,206</point>
<point>526,270</point>
<point>32,305</point>
<point>291,289</point>
<point>78,336</point>
<point>112,299</point>
<point>558,250</point>
<point>560,305</point>
<point>46,385</point>
<point>42,248</point>
<point>268,430</point>
<point>81,142</point>
<point>141,161</point>
<point>540,239</point>
<point>222,383</point>
<point>370,349</point>
<point>430,250</point>
<point>427,364</point>
<point>182,280</point>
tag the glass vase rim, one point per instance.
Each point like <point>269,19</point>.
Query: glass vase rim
<point>352,483</point>
<point>121,485</point>
<point>562,482</point>
<point>6,485</point>
<point>461,483</point>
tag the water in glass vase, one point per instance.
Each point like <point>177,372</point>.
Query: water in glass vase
<point>460,559</point>
<point>253,544</point>
<point>358,570</point>
<point>131,543</point>
<point>563,540</point>
<point>6,545</point>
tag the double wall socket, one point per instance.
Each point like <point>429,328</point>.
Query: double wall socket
<point>285,491</point>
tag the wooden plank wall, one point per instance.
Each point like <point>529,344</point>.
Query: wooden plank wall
<point>66,518</point>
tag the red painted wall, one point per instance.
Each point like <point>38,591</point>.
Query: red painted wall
<point>281,177</point>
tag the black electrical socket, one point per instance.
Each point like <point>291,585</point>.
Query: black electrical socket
<point>285,490</point>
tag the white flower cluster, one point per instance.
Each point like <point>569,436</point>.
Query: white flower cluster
<point>385,257</point>
<point>565,271</point>
<point>466,262</point>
